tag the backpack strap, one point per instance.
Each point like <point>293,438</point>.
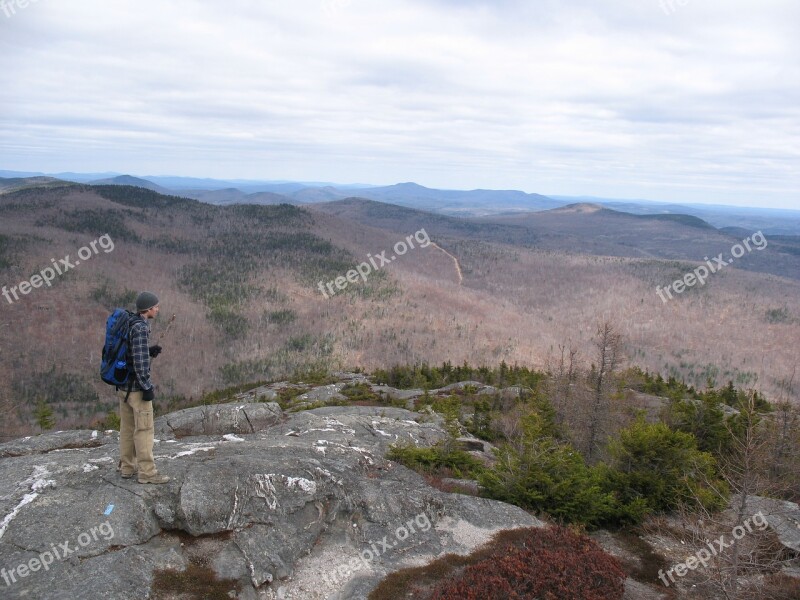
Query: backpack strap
<point>132,376</point>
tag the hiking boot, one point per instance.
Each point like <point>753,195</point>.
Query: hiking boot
<point>122,473</point>
<point>155,479</point>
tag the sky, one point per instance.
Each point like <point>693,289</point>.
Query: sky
<point>672,100</point>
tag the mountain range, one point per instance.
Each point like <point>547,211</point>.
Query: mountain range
<point>466,203</point>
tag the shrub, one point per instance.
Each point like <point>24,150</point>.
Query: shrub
<point>288,394</point>
<point>643,381</point>
<point>44,416</point>
<point>111,421</point>
<point>481,423</point>
<point>551,563</point>
<point>426,377</point>
<point>556,563</point>
<point>655,466</point>
<point>543,474</point>
<point>361,392</point>
<point>197,581</point>
<point>433,459</point>
<point>316,373</point>
<point>450,409</point>
<point>705,420</point>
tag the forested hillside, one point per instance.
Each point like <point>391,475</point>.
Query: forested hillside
<point>242,299</point>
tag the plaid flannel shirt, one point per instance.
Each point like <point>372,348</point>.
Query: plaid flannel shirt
<point>140,355</point>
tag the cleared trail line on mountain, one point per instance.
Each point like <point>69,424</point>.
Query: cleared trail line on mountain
<point>455,260</point>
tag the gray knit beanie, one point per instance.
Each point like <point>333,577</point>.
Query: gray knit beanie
<point>146,301</point>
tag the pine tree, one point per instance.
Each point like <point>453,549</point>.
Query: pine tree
<point>44,415</point>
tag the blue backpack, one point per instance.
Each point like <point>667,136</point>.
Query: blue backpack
<point>114,368</point>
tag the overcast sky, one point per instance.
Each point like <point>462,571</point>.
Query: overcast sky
<point>689,100</point>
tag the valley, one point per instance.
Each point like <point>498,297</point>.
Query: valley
<point>241,281</point>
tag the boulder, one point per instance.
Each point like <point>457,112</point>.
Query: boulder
<point>396,394</point>
<point>782,516</point>
<point>218,419</point>
<point>260,394</point>
<point>459,386</point>
<point>325,394</point>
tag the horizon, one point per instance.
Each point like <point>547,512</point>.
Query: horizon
<point>587,198</point>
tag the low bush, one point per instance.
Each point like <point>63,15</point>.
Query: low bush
<point>546,475</point>
<point>551,563</point>
<point>436,460</point>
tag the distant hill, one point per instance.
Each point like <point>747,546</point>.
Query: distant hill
<point>223,196</point>
<point>65,176</point>
<point>236,196</point>
<point>584,228</point>
<point>458,202</point>
<point>13,184</point>
<point>773,221</point>
<point>246,185</point>
<point>590,228</point>
<point>578,207</point>
<point>402,219</point>
<point>683,219</point>
<point>320,194</point>
<point>267,198</point>
<point>590,208</point>
<point>130,180</point>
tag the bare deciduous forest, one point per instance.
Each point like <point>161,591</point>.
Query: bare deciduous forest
<point>241,282</point>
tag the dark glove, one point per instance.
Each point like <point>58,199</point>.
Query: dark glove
<point>149,395</point>
<point>154,351</point>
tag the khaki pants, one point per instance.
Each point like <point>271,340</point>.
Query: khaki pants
<point>136,435</point>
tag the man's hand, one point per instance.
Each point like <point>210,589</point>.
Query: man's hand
<point>150,394</point>
<point>154,351</point>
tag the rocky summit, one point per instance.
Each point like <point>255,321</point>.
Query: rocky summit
<point>262,503</point>
<point>283,494</point>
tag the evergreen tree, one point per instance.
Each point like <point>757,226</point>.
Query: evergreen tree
<point>44,416</point>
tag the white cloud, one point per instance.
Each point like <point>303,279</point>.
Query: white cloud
<point>700,104</point>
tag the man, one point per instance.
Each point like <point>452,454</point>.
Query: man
<point>136,399</point>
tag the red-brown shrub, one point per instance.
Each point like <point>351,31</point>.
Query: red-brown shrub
<point>548,564</point>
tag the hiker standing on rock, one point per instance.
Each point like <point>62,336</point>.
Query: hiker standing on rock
<point>136,399</point>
